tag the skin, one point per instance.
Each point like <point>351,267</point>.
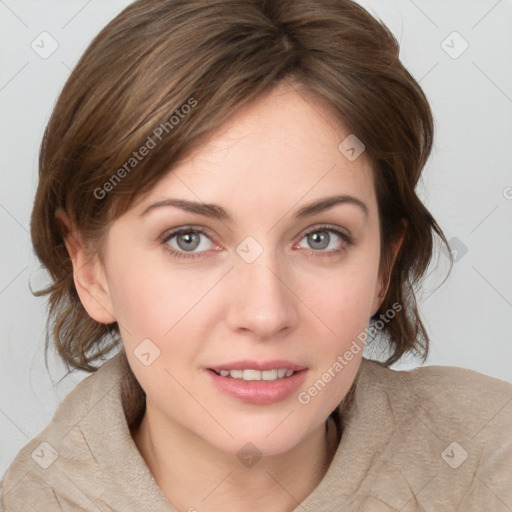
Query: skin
<point>295,302</point>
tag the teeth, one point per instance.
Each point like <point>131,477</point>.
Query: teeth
<point>251,375</point>
<point>269,375</point>
<point>248,375</point>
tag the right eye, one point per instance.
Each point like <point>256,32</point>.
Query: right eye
<point>182,242</point>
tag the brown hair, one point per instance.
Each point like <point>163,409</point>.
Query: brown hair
<point>157,57</point>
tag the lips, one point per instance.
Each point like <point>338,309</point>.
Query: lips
<point>258,365</point>
<point>261,383</point>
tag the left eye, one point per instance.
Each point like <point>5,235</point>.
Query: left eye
<point>321,238</point>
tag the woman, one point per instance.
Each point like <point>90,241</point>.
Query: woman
<point>227,196</point>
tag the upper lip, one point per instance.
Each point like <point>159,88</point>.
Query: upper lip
<point>277,364</point>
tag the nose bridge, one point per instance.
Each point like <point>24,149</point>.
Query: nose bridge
<point>261,300</point>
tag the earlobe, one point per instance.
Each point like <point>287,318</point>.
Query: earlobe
<point>88,273</point>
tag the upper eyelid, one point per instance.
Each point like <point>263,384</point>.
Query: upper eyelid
<point>333,229</point>
<point>169,233</point>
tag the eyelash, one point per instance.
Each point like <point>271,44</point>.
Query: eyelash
<point>189,229</point>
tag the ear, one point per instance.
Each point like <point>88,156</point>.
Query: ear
<point>88,273</point>
<point>383,282</point>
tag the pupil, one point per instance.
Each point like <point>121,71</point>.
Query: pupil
<point>190,239</point>
<point>319,240</point>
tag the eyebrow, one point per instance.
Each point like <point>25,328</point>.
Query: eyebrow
<point>218,212</point>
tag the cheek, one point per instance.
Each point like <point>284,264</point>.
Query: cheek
<point>344,297</point>
<point>343,310</point>
<point>147,298</point>
<point>344,319</point>
<point>343,304</point>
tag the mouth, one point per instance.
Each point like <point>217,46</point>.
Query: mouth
<point>249,374</point>
<point>258,383</point>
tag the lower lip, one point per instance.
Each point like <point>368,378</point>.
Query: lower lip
<point>259,392</point>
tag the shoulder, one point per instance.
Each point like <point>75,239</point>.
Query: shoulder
<point>465,398</point>
<point>37,469</point>
<point>450,434</point>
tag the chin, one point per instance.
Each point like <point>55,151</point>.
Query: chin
<point>269,437</point>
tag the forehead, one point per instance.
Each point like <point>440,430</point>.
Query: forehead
<point>280,150</point>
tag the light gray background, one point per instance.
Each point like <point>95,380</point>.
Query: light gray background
<point>467,184</point>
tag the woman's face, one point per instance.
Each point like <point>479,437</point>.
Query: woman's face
<point>259,278</point>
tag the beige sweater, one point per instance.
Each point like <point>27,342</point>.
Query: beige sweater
<point>434,439</point>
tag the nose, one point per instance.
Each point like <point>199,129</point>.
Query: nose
<point>262,301</point>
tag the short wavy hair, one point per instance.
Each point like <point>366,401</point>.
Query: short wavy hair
<point>156,55</point>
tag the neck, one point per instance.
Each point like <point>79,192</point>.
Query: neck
<point>192,473</point>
